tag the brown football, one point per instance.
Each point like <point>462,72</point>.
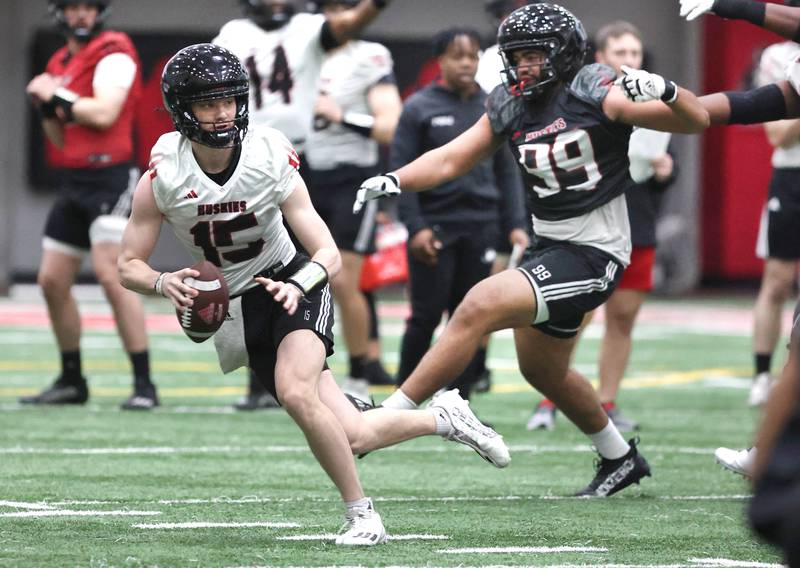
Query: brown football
<point>201,320</point>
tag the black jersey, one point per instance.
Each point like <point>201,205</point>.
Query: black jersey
<point>572,156</point>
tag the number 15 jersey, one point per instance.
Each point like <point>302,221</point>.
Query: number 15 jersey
<point>574,161</point>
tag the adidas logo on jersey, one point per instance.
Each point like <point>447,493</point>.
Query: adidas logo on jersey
<point>191,195</point>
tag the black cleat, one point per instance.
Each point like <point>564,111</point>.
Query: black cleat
<point>257,401</point>
<point>615,475</point>
<point>62,392</point>
<point>484,382</point>
<point>376,374</point>
<point>144,398</point>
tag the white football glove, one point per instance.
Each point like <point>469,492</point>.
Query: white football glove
<point>640,86</point>
<point>693,9</point>
<point>375,188</point>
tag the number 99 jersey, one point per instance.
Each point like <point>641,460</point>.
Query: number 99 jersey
<point>284,67</point>
<point>238,226</point>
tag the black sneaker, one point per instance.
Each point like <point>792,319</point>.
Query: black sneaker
<point>376,374</point>
<point>257,401</point>
<point>63,391</point>
<point>144,398</point>
<point>616,475</point>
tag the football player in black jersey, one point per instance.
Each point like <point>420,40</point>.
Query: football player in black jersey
<point>568,126</point>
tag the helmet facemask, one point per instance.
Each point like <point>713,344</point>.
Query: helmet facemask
<point>192,128</point>
<point>530,89</point>
<point>84,34</point>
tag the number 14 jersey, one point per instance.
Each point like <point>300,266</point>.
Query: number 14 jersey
<point>574,161</point>
<point>238,226</point>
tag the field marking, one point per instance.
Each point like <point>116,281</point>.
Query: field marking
<point>332,536</point>
<point>211,525</point>
<point>717,562</point>
<point>69,513</point>
<point>521,549</point>
<point>25,505</point>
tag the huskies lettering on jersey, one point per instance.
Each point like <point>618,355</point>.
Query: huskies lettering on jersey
<point>559,124</point>
<point>225,207</point>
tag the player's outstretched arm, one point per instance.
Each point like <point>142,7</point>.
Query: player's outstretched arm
<point>138,242</point>
<point>349,24</point>
<point>640,98</point>
<point>764,104</point>
<point>783,20</point>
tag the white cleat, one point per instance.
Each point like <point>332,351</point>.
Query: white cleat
<point>468,430</point>
<point>737,461</point>
<point>543,417</point>
<point>759,391</point>
<point>358,388</point>
<point>362,527</point>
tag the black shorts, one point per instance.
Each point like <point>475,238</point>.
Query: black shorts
<point>569,280</point>
<point>93,206</point>
<point>266,323</point>
<point>332,193</point>
<point>779,233</point>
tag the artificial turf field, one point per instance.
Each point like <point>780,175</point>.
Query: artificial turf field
<point>194,484</point>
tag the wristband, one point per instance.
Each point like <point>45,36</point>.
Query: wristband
<point>670,92</point>
<point>64,98</point>
<point>359,123</point>
<point>159,284</point>
<point>310,278</point>
<point>48,110</point>
<point>753,12</point>
<point>380,4</point>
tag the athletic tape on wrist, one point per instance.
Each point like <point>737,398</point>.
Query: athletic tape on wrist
<point>159,284</point>
<point>310,278</point>
<point>670,92</point>
<point>359,122</point>
<point>64,98</point>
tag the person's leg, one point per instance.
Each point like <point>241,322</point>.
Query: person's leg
<point>376,373</point>
<point>776,288</point>
<point>621,310</point>
<point>353,310</point>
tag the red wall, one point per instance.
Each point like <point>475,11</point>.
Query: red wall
<point>736,159</point>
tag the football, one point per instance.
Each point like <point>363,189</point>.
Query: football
<point>201,320</point>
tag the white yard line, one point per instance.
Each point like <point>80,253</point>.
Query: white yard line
<point>521,549</point>
<point>723,562</point>
<point>332,536</point>
<point>24,505</point>
<point>69,513</point>
<point>211,525</point>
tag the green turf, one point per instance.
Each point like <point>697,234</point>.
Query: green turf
<point>253,467</point>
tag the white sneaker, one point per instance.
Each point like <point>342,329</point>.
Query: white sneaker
<point>737,461</point>
<point>358,388</point>
<point>468,430</point>
<point>543,417</point>
<point>759,392</point>
<point>362,527</point>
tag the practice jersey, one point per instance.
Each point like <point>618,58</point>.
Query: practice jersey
<point>238,226</point>
<point>574,161</point>
<point>348,74</point>
<point>772,68</point>
<point>489,67</point>
<point>284,66</point>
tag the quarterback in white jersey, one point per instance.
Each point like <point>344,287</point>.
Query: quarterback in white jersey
<point>283,52</point>
<point>225,192</point>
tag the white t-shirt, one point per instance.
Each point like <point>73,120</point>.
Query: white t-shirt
<point>284,67</point>
<point>244,212</point>
<point>771,69</point>
<point>489,67</point>
<point>348,74</point>
<point>115,70</point>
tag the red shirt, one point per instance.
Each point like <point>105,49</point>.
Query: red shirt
<point>86,147</point>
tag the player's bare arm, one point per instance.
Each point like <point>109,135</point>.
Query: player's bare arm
<point>349,24</point>
<point>783,133</point>
<point>138,242</point>
<point>783,20</point>
<point>315,237</point>
<point>386,106</point>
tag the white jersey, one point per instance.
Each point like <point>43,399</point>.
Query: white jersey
<point>238,226</point>
<point>284,67</point>
<point>489,67</point>
<point>348,74</point>
<point>773,68</point>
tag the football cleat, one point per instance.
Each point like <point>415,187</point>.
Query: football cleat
<point>144,398</point>
<point>484,382</point>
<point>466,429</point>
<point>615,475</point>
<point>358,388</point>
<point>63,391</point>
<point>257,401</point>
<point>376,374</point>
<point>759,391</point>
<point>363,527</point>
<point>737,461</point>
<point>543,417</point>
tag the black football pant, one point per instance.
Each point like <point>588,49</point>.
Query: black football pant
<point>465,259</point>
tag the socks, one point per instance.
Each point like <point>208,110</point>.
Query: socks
<point>357,367</point>
<point>71,366</point>
<point>763,362</point>
<point>443,425</point>
<point>609,442</point>
<point>353,506</point>
<point>399,401</point>
<point>141,369</point>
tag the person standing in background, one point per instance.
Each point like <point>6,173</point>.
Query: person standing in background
<point>358,108</point>
<point>86,99</point>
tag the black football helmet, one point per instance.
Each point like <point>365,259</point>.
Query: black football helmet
<point>205,72</point>
<point>269,14</point>
<point>545,27</point>
<point>56,9</point>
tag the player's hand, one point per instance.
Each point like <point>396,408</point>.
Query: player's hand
<point>425,247</point>
<point>518,237</point>
<point>177,291</point>
<point>42,87</point>
<point>693,9</point>
<point>326,108</point>
<point>284,293</point>
<point>662,167</point>
<point>641,86</point>
<point>375,188</point>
